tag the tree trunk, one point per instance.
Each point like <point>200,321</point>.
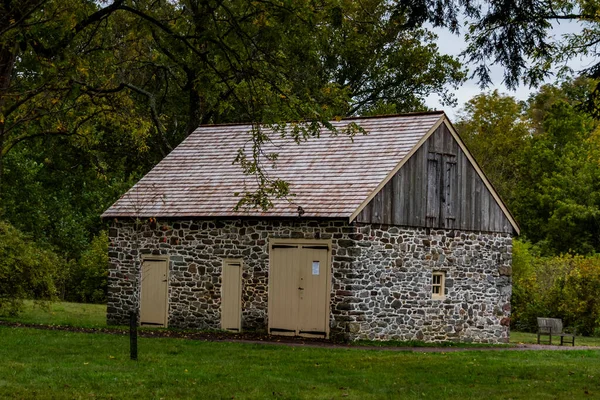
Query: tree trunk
<point>8,55</point>
<point>195,106</point>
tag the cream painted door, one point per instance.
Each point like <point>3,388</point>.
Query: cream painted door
<point>231,295</point>
<point>299,290</point>
<point>313,307</point>
<point>283,290</point>
<point>153,307</point>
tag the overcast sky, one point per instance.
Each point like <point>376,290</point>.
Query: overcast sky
<point>454,45</point>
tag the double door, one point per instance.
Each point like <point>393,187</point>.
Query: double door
<point>299,289</point>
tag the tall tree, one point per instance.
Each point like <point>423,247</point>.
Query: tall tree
<point>272,62</point>
<point>543,156</point>
<point>93,94</point>
<point>518,35</point>
<point>559,198</point>
<point>495,130</point>
<point>46,48</point>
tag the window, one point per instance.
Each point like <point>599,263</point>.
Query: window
<point>437,285</point>
<point>441,190</point>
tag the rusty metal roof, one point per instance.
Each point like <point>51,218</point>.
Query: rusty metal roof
<point>330,176</point>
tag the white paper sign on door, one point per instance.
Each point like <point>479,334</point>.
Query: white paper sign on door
<point>316,267</point>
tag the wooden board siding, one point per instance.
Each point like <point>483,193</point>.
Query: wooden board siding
<point>437,187</point>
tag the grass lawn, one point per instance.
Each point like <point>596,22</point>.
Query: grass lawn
<point>62,313</point>
<point>57,364</point>
<point>522,337</point>
<point>94,316</point>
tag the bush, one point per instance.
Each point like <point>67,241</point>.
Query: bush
<point>27,270</point>
<point>526,302</point>
<point>576,293</point>
<point>86,280</point>
<point>563,287</point>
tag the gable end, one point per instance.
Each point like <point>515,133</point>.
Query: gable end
<point>439,185</point>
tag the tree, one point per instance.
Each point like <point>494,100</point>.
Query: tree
<point>543,156</point>
<point>495,130</point>
<point>88,276</point>
<point>55,189</point>
<point>272,62</point>
<point>559,198</point>
<point>80,76</point>
<point>517,35</point>
<point>46,47</point>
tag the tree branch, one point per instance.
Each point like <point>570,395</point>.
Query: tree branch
<point>80,26</point>
<point>151,100</point>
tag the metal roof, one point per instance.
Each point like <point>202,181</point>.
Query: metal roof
<point>330,176</point>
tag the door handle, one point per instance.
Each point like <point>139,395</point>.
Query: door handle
<point>300,288</point>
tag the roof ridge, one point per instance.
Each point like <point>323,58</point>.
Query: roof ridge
<point>382,116</point>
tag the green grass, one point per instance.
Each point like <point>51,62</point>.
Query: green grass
<point>94,316</point>
<point>62,313</point>
<point>55,365</point>
<point>58,364</point>
<point>522,337</point>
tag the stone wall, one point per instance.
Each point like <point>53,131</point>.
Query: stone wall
<point>381,276</point>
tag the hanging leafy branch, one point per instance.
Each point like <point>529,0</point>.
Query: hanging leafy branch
<point>518,36</point>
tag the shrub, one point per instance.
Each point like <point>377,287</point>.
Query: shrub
<point>526,302</point>
<point>87,279</point>
<point>564,287</point>
<point>27,270</point>
<point>576,293</point>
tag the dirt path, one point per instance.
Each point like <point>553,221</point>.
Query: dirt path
<point>260,338</point>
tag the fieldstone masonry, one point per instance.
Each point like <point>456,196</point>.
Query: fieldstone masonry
<point>381,286</point>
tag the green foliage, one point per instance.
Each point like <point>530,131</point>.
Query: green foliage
<point>519,36</point>
<point>560,287</point>
<point>27,270</point>
<point>559,186</point>
<point>93,94</point>
<point>494,130</point>
<point>544,157</point>
<point>55,190</point>
<point>87,278</point>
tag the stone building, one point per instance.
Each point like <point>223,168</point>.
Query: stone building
<point>392,234</point>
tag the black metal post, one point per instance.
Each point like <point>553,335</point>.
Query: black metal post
<point>133,335</point>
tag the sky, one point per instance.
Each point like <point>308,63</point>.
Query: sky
<point>453,45</point>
